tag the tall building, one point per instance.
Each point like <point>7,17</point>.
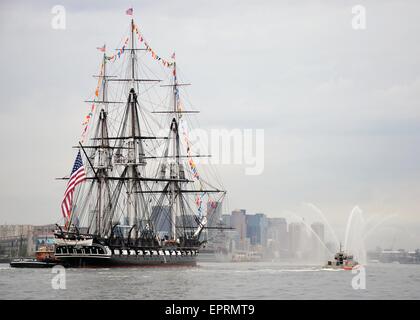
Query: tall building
<point>226,220</point>
<point>278,234</point>
<point>318,241</point>
<point>238,223</point>
<point>256,229</point>
<point>319,230</point>
<point>296,230</point>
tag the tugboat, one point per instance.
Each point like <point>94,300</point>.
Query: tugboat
<point>44,259</point>
<point>342,261</point>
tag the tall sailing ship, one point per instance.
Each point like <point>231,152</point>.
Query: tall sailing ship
<point>135,196</point>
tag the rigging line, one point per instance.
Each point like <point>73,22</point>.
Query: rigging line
<point>210,166</point>
<point>149,198</point>
<point>183,90</point>
<point>148,111</point>
<point>116,197</point>
<point>119,115</point>
<point>160,207</point>
<point>112,117</point>
<point>153,145</point>
<point>117,206</point>
<point>161,199</point>
<point>143,200</point>
<point>152,118</point>
<point>79,213</point>
<point>213,172</point>
<point>186,217</point>
<point>83,214</point>
<point>228,208</point>
<point>106,206</point>
<point>190,209</point>
<point>146,117</point>
<point>78,190</point>
<point>211,186</point>
<point>158,104</point>
<point>148,92</point>
<point>147,67</point>
<point>85,203</point>
<point>147,127</point>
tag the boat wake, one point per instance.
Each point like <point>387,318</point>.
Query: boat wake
<point>329,269</point>
<point>270,271</point>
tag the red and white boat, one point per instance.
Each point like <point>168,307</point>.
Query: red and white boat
<point>342,261</point>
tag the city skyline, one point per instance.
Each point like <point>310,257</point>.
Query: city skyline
<point>273,237</point>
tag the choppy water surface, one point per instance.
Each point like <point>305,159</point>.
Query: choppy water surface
<point>213,281</point>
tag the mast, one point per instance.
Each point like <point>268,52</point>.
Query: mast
<point>104,83</point>
<point>102,153</point>
<point>131,207</point>
<point>135,158</point>
<point>101,178</point>
<point>174,167</point>
<point>133,55</point>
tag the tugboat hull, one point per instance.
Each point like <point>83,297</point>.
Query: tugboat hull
<point>341,267</point>
<point>31,263</point>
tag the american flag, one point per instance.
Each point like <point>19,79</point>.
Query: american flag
<point>129,11</point>
<point>77,176</point>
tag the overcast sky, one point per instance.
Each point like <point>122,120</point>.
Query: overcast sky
<point>340,107</point>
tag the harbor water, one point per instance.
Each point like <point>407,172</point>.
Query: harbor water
<point>214,281</point>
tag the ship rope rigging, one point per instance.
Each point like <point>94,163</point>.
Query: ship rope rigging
<point>143,184</point>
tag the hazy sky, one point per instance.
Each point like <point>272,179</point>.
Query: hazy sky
<point>340,107</point>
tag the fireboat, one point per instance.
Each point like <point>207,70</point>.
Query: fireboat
<point>342,261</point>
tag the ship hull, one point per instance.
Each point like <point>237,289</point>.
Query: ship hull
<point>129,261</point>
<point>103,256</point>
